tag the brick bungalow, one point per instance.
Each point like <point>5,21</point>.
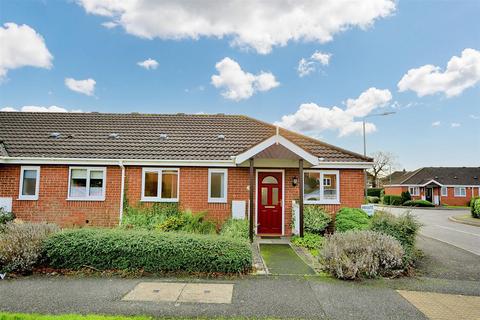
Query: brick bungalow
<point>453,186</point>
<point>77,169</point>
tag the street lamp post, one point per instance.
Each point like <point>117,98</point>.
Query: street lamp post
<point>365,142</point>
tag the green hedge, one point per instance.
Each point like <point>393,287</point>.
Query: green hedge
<point>374,192</point>
<point>351,219</point>
<point>316,219</point>
<point>418,203</point>
<point>475,207</point>
<point>392,200</point>
<point>109,249</point>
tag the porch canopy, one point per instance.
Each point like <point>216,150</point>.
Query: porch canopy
<point>276,152</point>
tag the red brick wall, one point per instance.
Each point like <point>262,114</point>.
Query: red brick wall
<point>451,200</point>
<point>395,191</point>
<point>52,204</point>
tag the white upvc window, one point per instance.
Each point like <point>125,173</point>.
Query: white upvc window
<point>326,192</point>
<point>444,191</point>
<point>414,191</point>
<point>87,183</point>
<point>29,183</point>
<point>217,185</point>
<point>160,184</point>
<point>460,191</point>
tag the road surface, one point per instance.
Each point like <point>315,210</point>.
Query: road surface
<point>437,226</point>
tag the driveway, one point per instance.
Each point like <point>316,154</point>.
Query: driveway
<point>437,226</point>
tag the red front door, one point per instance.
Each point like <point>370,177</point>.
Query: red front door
<point>269,202</point>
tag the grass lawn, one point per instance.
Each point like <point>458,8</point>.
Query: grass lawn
<point>34,316</point>
<point>457,207</point>
<point>468,218</point>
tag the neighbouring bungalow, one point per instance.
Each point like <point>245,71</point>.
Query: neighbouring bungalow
<point>453,186</point>
<point>77,169</point>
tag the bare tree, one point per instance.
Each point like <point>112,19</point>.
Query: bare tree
<point>383,164</point>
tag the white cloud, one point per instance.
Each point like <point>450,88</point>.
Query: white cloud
<point>260,25</point>
<point>110,24</point>
<point>86,86</point>
<point>313,118</point>
<point>474,117</point>
<point>148,64</point>
<point>323,58</point>
<point>38,109</point>
<point>22,46</point>
<point>309,65</point>
<point>436,124</point>
<point>455,124</point>
<point>239,84</point>
<point>461,73</point>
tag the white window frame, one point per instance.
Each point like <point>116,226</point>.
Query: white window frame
<point>88,198</point>
<point>415,192</point>
<point>322,200</point>
<point>329,182</point>
<point>442,193</point>
<point>225,186</point>
<point>455,194</point>
<point>159,188</point>
<point>37,183</point>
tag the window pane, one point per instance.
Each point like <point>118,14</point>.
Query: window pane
<point>269,180</point>
<point>330,188</point>
<point>169,184</point>
<point>96,184</point>
<point>274,196</point>
<point>29,182</point>
<point>78,183</point>
<point>264,196</point>
<point>217,188</point>
<point>151,184</point>
<point>311,186</point>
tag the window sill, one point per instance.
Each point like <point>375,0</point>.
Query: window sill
<point>27,199</point>
<point>158,200</point>
<point>85,199</point>
<point>321,202</point>
<point>217,200</point>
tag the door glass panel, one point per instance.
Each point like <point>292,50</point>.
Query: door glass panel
<point>269,180</point>
<point>264,196</point>
<point>274,196</point>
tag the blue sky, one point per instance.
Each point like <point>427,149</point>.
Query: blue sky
<point>410,35</point>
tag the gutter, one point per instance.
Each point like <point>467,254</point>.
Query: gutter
<point>122,191</point>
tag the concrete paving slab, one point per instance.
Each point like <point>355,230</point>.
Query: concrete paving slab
<point>207,293</point>
<point>155,291</point>
<point>439,306</point>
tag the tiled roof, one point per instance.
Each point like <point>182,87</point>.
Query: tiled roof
<point>189,137</point>
<point>463,176</point>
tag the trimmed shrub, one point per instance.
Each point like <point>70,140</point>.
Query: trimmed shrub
<point>373,199</point>
<point>405,196</point>
<point>392,200</point>
<point>108,249</point>
<point>21,245</point>
<point>351,219</point>
<point>310,241</point>
<point>316,219</point>
<point>235,228</point>
<point>188,222</point>
<point>475,208</point>
<point>6,216</point>
<point>403,228</point>
<point>357,254</point>
<point>470,203</point>
<point>418,203</point>
<point>374,192</point>
<point>148,217</point>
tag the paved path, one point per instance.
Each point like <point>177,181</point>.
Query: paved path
<point>437,226</point>
<point>282,260</point>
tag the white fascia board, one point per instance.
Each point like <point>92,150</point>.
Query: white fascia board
<point>343,165</point>
<point>126,162</point>
<point>276,139</point>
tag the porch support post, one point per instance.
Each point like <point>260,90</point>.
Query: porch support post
<point>252,190</point>
<point>300,201</point>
